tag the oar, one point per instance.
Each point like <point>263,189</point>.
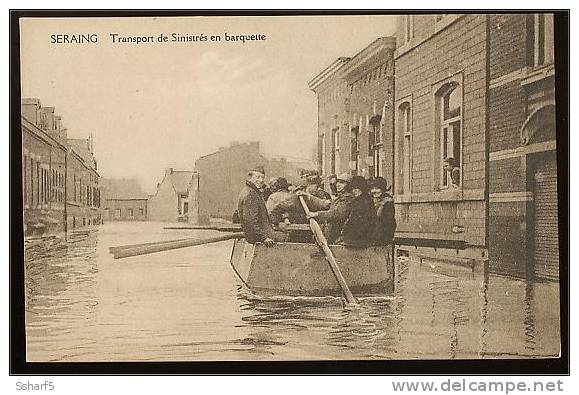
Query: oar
<point>323,243</point>
<point>118,248</point>
<point>149,248</point>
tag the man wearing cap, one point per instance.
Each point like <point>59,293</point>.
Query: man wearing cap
<point>313,187</point>
<point>252,212</point>
<point>283,206</point>
<point>350,218</point>
<point>385,215</point>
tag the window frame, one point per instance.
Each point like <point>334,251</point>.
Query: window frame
<point>403,179</point>
<point>543,45</point>
<point>439,91</point>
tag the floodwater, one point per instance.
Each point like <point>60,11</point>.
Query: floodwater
<point>186,305</point>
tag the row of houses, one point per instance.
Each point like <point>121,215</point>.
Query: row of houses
<point>209,191</point>
<point>457,111</point>
<point>60,181</point>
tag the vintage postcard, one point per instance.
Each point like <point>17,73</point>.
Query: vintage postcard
<point>290,187</point>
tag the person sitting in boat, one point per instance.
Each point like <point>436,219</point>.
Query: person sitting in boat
<point>252,212</point>
<point>284,207</point>
<point>350,218</point>
<point>385,214</point>
<point>314,187</point>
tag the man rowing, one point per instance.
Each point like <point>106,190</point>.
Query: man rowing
<point>350,218</point>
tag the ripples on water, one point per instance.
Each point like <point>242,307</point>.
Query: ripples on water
<point>81,305</point>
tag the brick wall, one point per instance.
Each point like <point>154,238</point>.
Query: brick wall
<point>508,43</point>
<point>372,90</point>
<point>507,175</point>
<point>459,49</point>
<point>509,211</point>
<point>507,112</point>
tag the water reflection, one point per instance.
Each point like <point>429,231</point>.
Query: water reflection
<point>186,305</point>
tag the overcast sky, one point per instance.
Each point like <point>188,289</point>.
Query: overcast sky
<point>152,106</point>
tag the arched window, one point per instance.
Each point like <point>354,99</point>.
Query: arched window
<point>404,148</point>
<point>448,142</point>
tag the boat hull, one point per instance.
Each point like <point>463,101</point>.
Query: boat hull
<point>302,269</point>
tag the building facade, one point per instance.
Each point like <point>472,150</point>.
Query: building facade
<point>440,135</point>
<point>523,210</point>
<point>59,179</point>
<point>123,200</point>
<point>475,143</point>
<point>355,99</point>
<point>82,185</point>
<point>171,201</point>
<point>222,174</point>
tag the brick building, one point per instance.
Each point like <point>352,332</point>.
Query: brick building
<point>523,215</point>
<point>82,185</point>
<point>171,201</point>
<point>44,155</point>
<point>355,98</point>
<point>123,200</point>
<point>59,175</point>
<point>440,113</point>
<point>475,140</point>
<point>222,174</point>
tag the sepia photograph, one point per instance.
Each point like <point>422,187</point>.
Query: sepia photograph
<point>313,187</point>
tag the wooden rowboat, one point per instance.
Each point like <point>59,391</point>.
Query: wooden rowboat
<point>302,269</point>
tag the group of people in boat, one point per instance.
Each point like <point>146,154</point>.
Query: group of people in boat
<point>356,212</point>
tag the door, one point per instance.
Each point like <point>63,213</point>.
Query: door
<point>546,218</point>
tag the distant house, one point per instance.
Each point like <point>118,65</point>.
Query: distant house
<point>172,200</point>
<point>222,174</point>
<point>123,200</point>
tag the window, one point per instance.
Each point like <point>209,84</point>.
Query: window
<point>543,39</point>
<point>118,213</point>
<point>375,145</point>
<point>408,28</point>
<point>355,149</point>
<point>448,142</point>
<point>31,181</point>
<point>336,150</point>
<point>323,144</point>
<point>130,212</point>
<point>141,212</point>
<point>404,148</point>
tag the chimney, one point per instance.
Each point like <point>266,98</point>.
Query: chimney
<point>29,109</point>
<point>47,119</point>
<point>168,171</point>
<point>58,126</point>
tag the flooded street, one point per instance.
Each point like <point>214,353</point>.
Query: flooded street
<point>186,305</point>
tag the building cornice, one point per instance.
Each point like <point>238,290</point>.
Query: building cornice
<point>327,73</point>
<point>41,133</point>
<point>368,54</point>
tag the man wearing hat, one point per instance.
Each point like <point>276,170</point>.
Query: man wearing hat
<point>252,212</point>
<point>313,187</point>
<point>350,218</point>
<point>283,206</point>
<point>385,214</point>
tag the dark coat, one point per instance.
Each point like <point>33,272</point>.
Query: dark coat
<point>253,215</point>
<point>349,221</point>
<point>385,221</point>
